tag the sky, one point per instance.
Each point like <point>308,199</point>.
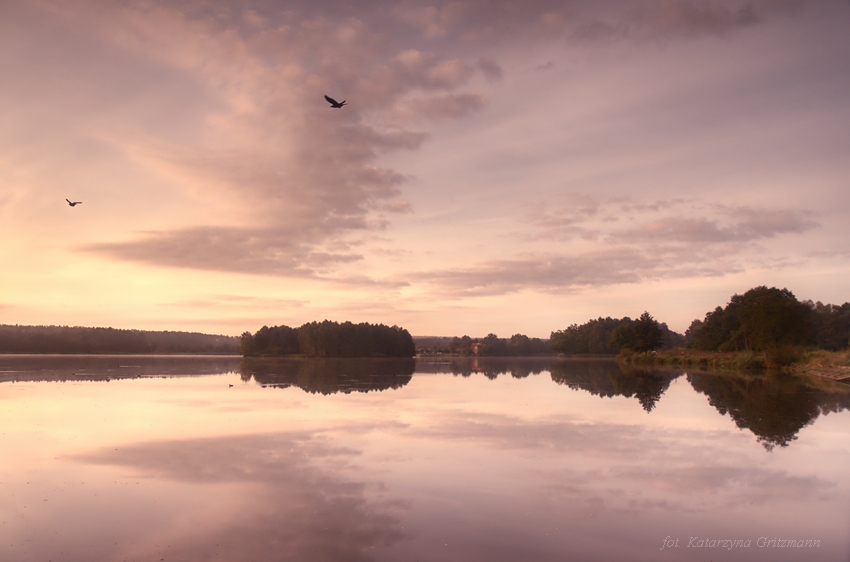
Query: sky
<point>500,166</point>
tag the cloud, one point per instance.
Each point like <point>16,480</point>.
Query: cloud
<point>753,224</point>
<point>224,112</point>
<point>562,220</point>
<point>490,68</point>
<point>483,20</point>
<point>546,272</point>
<point>674,245</point>
<point>239,301</point>
<point>664,19</point>
<point>670,17</point>
<point>439,107</point>
<point>243,250</point>
<point>291,176</point>
<point>746,225</point>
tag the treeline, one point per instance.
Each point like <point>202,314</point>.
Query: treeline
<point>609,336</point>
<point>490,346</point>
<point>76,339</point>
<point>766,319</point>
<point>329,339</point>
<point>763,319</point>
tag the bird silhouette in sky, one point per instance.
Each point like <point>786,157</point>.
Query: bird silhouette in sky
<point>335,104</point>
<point>73,203</point>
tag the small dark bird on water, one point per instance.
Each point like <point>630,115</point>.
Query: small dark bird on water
<point>74,203</point>
<point>335,104</point>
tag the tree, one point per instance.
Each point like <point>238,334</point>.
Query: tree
<point>648,334</point>
<point>830,325</point>
<point>592,337</point>
<point>624,337</point>
<point>762,319</point>
<point>492,345</point>
<point>462,346</point>
<point>246,344</point>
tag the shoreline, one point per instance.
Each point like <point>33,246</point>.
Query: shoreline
<point>833,365</point>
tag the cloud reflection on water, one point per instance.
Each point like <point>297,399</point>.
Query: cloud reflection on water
<point>298,510</point>
<point>773,407</point>
<point>503,467</point>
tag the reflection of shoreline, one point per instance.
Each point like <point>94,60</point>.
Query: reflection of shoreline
<point>328,376</point>
<point>490,367</point>
<point>773,407</point>
<point>607,379</point>
<point>97,368</point>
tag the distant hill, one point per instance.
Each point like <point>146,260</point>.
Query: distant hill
<point>76,339</point>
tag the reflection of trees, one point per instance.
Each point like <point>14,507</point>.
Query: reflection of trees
<point>773,407</point>
<point>329,376</point>
<point>60,368</point>
<point>490,367</point>
<point>606,378</point>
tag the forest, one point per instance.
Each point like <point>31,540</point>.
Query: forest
<point>609,336</point>
<point>490,346</point>
<point>762,319</point>
<point>66,339</point>
<point>329,339</point>
<point>766,318</point>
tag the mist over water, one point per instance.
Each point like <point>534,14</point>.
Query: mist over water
<point>224,458</point>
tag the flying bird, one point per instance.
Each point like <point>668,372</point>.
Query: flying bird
<point>335,104</point>
<point>73,203</point>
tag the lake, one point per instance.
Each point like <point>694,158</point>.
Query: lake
<point>113,458</point>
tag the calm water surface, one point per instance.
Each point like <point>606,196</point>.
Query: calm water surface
<point>205,458</point>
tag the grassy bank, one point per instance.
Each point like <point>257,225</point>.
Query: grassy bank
<point>830,364</point>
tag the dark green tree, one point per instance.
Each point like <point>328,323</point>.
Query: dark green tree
<point>246,344</point>
<point>461,346</point>
<point>762,319</point>
<point>590,338</point>
<point>624,336</point>
<point>647,333</point>
<point>493,346</point>
<point>830,325</point>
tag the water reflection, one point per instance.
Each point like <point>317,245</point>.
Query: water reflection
<point>774,407</point>
<point>490,367</point>
<point>500,465</point>
<point>295,509</point>
<point>329,376</point>
<point>607,379</point>
<point>62,368</point>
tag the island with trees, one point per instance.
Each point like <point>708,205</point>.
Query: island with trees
<point>329,339</point>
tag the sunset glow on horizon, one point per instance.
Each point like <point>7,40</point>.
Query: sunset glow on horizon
<point>499,167</point>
